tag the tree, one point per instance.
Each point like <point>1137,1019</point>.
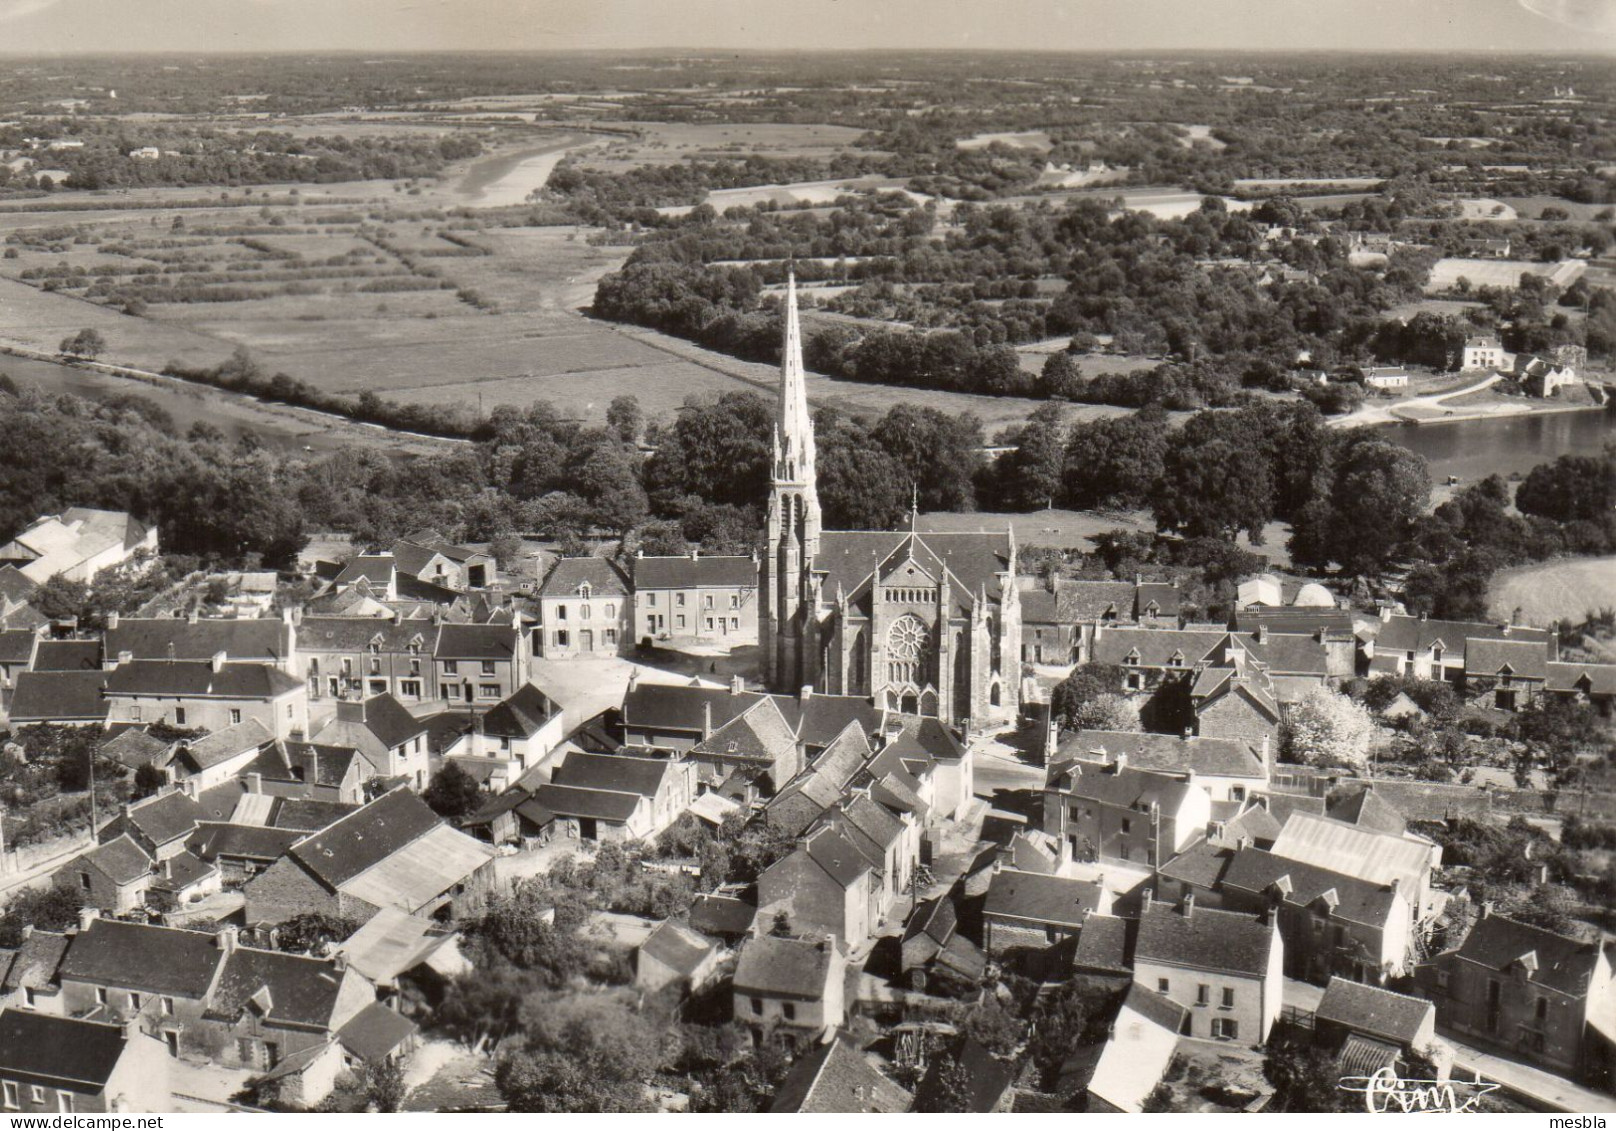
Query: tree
<point>1061,378</point>
<point>313,932</point>
<point>148,780</point>
<point>1377,492</point>
<point>1030,477</point>
<point>1072,1016</point>
<point>384,1084</point>
<point>1326,728</point>
<point>86,344</point>
<point>588,1053</point>
<point>861,487</point>
<point>625,418</point>
<point>947,1086</point>
<point>1105,712</point>
<point>452,793</point>
<point>1305,1079</point>
<point>1072,700</point>
<point>1216,480</point>
<point>45,909</point>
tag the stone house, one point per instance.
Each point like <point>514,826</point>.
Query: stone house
<point>836,1078</point>
<point>790,986</point>
<point>357,657</point>
<point>390,739</point>
<point>267,1006</point>
<point>1543,997</point>
<point>213,695</point>
<point>1120,814</point>
<point>1401,1026</point>
<point>584,611</point>
<point>64,1066</point>
<point>1228,769</point>
<point>618,797</point>
<point>216,758</point>
<point>825,885</point>
<point>1226,969</point>
<point>1027,912</point>
<point>696,599</point>
<point>674,954</point>
<point>523,728</point>
<point>480,663</point>
<point>393,852</point>
<point>251,640</point>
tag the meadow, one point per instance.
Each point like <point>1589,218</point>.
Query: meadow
<point>1554,591</point>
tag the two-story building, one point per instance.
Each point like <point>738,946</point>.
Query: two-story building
<point>1115,813</point>
<point>1228,769</point>
<point>1224,967</point>
<point>355,657</point>
<point>1030,912</point>
<point>790,986</point>
<point>584,611</point>
<point>390,739</point>
<point>1542,996</point>
<point>480,663</point>
<point>210,694</point>
<point>65,1066</point>
<point>696,599</point>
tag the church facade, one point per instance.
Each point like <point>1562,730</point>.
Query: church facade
<point>920,622</point>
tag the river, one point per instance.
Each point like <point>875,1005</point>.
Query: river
<point>509,178</point>
<point>1475,449</point>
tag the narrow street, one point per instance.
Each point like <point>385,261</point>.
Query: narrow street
<point>1543,1088</point>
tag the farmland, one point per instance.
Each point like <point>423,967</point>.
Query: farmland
<point>1554,591</point>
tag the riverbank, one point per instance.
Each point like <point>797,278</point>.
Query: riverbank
<point>510,178</point>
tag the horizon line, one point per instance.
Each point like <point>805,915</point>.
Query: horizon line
<point>1601,55</point>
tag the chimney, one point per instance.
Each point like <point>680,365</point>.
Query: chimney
<point>218,661</point>
<point>695,554</point>
<point>88,915</point>
<point>1187,909</point>
<point>737,684</point>
<point>127,657</point>
<point>171,651</point>
<point>255,782</point>
<point>1424,617</point>
<point>191,786</point>
<point>339,963</point>
<point>1145,900</point>
<point>112,620</point>
<point>1186,734</point>
<point>190,617</point>
<point>706,721</point>
<point>398,616</point>
<point>1486,908</point>
<point>1385,614</point>
<point>806,693</point>
<point>1262,634</point>
<point>1120,761</point>
<point>1514,616</point>
<point>227,939</point>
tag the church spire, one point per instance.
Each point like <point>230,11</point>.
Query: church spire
<point>796,427</point>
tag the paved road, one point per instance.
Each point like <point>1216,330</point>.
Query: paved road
<point>1543,1087</point>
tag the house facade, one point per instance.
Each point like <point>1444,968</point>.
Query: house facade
<point>1224,968</point>
<point>696,599</point>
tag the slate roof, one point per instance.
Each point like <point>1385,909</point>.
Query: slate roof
<point>79,1055</point>
<point>1498,942</point>
<point>192,679</point>
<point>576,801</point>
<point>213,839</point>
<point>1206,938</point>
<point>386,720</point>
<point>1201,865</point>
<point>721,915</point>
<point>365,837</point>
<point>246,639</point>
<point>1374,1011</point>
<point>760,733</point>
<point>1367,808</point>
<point>1167,598</point>
<point>687,572</point>
<point>35,961</point>
<point>393,942</point>
<point>568,574</point>
<point>1336,623</point>
<point>1525,659</point>
<point>306,813</point>
<point>17,645</point>
<point>781,967</point>
<point>357,634</point>
<point>476,642</point>
<point>1355,900</point>
<point>375,1033</point>
<point>1125,787</point>
<point>925,738</point>
<point>1212,757</point>
<point>1411,634</point>
<point>1155,1008</point>
<point>68,656</point>
<point>135,747</point>
<point>1287,654</point>
<point>181,871</point>
<point>1079,601</point>
<point>286,759</point>
<point>681,706</point>
<point>223,745</point>
<point>138,956</point>
<point>1567,676</point>
<point>420,871</point>
<point>302,990</point>
<point>677,946</point>
<point>58,697</point>
<point>374,568</point>
<point>1038,898</point>
<point>14,584</point>
<point>836,1078</point>
<point>520,714</point>
<point>1106,945</point>
<point>1156,646</point>
<point>620,773</point>
<point>837,855</point>
<point>121,859</point>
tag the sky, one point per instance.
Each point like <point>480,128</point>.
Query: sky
<point>70,26</point>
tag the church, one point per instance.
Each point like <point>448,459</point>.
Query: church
<point>920,622</point>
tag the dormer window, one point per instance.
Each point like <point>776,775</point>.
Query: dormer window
<point>1132,657</point>
<point>584,590</point>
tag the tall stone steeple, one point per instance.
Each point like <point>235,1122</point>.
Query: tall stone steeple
<point>794,520</point>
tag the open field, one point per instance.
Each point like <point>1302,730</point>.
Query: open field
<point>1066,529</point>
<point>1552,591</point>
